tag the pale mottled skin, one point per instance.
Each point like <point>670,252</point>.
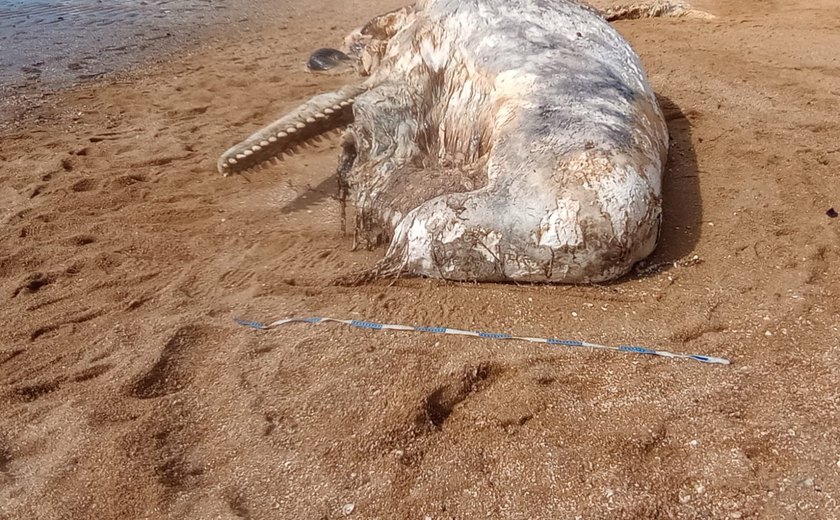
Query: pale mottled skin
<point>496,140</point>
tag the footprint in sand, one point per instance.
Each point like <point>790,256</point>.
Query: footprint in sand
<point>439,405</point>
<point>125,181</point>
<point>174,370</point>
<point>30,393</point>
<point>172,464</point>
<point>84,185</point>
<point>91,373</point>
<point>32,283</point>
<point>81,240</point>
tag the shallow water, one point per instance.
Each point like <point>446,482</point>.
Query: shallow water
<point>53,43</point>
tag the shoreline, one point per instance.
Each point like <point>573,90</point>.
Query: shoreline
<point>127,49</point>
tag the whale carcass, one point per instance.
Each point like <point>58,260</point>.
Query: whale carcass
<point>491,140</point>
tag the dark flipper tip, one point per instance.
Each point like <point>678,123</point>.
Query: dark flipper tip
<point>323,60</point>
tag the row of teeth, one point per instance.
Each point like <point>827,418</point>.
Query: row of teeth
<point>277,159</point>
<point>290,130</point>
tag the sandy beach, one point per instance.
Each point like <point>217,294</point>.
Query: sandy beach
<point>128,391</point>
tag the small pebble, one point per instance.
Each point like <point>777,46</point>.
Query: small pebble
<point>347,509</point>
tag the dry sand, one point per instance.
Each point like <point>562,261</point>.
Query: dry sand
<point>126,390</point>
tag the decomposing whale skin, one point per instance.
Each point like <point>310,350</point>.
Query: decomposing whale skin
<point>492,140</point>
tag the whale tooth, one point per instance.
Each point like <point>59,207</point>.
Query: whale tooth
<point>336,107</point>
<point>319,116</point>
<point>272,139</point>
<point>281,135</point>
<point>291,130</point>
<point>328,111</point>
<point>231,161</point>
<point>310,119</point>
<point>248,152</point>
<point>256,148</point>
<point>241,156</point>
<point>263,143</point>
<point>344,103</point>
<point>299,125</point>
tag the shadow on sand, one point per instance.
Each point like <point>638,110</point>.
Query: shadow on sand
<point>327,188</point>
<point>682,206</point>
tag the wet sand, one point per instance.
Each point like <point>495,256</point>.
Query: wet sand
<point>127,391</point>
